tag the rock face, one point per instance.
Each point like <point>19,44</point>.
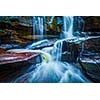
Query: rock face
<point>19,29</point>
<point>93,45</point>
<point>87,23</point>
<point>90,59</point>
<point>70,51</point>
<point>14,28</point>
<point>86,52</point>
<point>91,67</point>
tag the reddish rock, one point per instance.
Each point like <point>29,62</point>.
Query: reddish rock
<point>12,65</point>
<point>15,57</point>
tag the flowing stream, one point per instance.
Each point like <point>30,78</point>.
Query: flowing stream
<point>52,69</point>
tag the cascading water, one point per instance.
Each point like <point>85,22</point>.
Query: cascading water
<point>57,50</point>
<point>68,27</point>
<point>52,69</point>
<point>34,26</point>
<point>37,44</point>
<point>38,28</point>
<point>67,34</point>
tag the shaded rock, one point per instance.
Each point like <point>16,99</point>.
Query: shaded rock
<point>93,45</point>
<point>70,51</point>
<point>13,64</point>
<point>90,58</point>
<point>91,67</point>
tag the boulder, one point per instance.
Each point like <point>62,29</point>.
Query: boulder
<point>14,64</point>
<point>70,51</point>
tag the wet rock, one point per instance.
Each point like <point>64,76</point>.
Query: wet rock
<point>88,55</point>
<point>9,46</point>
<point>90,58</point>
<point>70,51</point>
<point>83,34</point>
<point>14,64</point>
<point>91,67</point>
<point>93,45</point>
<point>41,44</point>
<point>52,34</point>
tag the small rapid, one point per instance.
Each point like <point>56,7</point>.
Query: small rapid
<point>51,69</point>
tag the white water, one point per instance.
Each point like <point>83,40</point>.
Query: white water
<point>37,44</point>
<point>38,26</point>
<point>68,27</point>
<point>51,72</point>
<point>57,50</point>
<point>52,69</point>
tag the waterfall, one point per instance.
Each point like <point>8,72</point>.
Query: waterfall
<point>34,27</point>
<point>67,34</point>
<point>57,50</point>
<point>38,27</point>
<point>68,26</point>
<point>52,69</point>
